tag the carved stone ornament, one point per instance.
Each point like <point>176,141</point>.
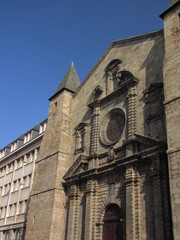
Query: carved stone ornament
<point>95,94</point>
<point>111,154</point>
<point>79,137</point>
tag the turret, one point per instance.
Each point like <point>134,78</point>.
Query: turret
<point>47,215</point>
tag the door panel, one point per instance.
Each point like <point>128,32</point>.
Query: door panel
<point>112,228</point>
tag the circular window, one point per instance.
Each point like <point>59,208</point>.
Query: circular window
<point>113,126</point>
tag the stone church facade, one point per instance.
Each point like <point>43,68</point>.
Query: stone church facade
<point>108,164</point>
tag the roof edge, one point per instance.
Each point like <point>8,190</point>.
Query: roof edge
<point>139,37</point>
<point>169,9</point>
<point>146,35</point>
<point>59,92</point>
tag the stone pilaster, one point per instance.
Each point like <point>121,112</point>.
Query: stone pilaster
<point>137,208</point>
<point>94,210</point>
<point>73,211</point>
<point>76,215</point>
<point>89,211</point>
<point>95,129</point>
<point>132,123</point>
<point>130,203</point>
<point>157,200</point>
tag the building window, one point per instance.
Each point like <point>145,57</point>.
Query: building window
<point>12,210</point>
<point>17,163</point>
<point>27,137</point>
<point>7,189</point>
<point>3,212</point>
<point>18,234</point>
<point>13,146</point>
<point>22,207</point>
<point>55,107</point>
<point>2,153</point>
<point>2,172</point>
<point>6,235</point>
<point>32,156</point>
<point>16,185</point>
<point>179,20</point>
<point>26,181</point>
<point>28,158</point>
<point>9,168</point>
<point>42,127</point>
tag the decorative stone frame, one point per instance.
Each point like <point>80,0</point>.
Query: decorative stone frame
<point>106,202</point>
<point>80,131</point>
<point>103,132</point>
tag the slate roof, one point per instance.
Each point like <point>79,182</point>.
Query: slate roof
<point>70,81</point>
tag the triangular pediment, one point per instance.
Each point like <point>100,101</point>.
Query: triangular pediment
<point>148,141</point>
<point>77,167</point>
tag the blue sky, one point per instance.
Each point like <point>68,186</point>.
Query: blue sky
<point>40,38</point>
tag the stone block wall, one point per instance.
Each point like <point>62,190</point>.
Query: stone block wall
<point>47,209</point>
<point>172,108</point>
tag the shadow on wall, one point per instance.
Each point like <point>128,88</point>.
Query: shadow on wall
<point>154,120</point>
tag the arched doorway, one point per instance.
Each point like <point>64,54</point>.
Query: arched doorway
<point>113,224</point>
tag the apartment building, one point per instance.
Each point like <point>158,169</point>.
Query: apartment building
<point>17,165</point>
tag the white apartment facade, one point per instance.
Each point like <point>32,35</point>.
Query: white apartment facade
<point>17,165</point>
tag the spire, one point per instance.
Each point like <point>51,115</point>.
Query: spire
<point>70,81</point>
<point>171,5</point>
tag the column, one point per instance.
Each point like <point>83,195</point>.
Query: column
<point>89,211</point>
<point>95,128</point>
<point>137,207</point>
<point>132,124</point>
<point>157,200</point>
<point>130,206</point>
<point>73,208</point>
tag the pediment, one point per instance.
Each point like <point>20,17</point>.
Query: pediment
<point>79,165</point>
<point>148,141</point>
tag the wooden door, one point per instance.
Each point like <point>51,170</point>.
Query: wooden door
<point>112,228</point>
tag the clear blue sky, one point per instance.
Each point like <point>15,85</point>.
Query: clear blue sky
<point>40,38</point>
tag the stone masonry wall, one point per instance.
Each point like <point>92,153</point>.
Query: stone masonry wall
<point>172,107</point>
<point>47,213</point>
<point>143,57</point>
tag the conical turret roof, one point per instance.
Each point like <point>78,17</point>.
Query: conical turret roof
<point>70,81</point>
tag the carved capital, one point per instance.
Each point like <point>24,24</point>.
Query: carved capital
<point>129,175</point>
